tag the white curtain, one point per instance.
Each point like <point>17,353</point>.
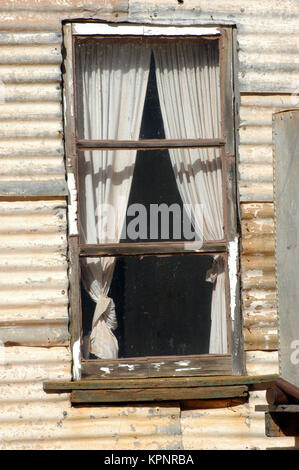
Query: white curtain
<point>114,80</point>
<point>189,93</point>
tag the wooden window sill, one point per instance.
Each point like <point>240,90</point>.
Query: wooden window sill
<point>159,389</point>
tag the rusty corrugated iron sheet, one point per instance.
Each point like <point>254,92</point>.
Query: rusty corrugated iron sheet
<point>258,277</point>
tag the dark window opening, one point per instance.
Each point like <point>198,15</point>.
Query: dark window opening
<point>163,305</point>
<point>153,180</point>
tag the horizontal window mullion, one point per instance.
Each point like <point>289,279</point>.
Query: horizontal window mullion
<point>151,248</point>
<point>84,144</point>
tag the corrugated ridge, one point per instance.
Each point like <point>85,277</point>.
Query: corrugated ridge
<point>259,28</point>
<point>33,274</point>
<point>38,80</point>
<point>258,277</point>
<point>47,16</point>
<point>30,418</point>
<point>268,35</point>
<point>31,118</point>
<point>235,427</point>
<point>255,149</point>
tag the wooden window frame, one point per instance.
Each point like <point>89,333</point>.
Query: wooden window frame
<point>149,367</point>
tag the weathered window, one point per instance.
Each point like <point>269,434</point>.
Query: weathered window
<point>153,245</point>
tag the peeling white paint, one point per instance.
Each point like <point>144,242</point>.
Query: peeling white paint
<point>73,205</point>
<point>188,368</point>
<point>254,273</point>
<point>182,363</point>
<point>258,294</point>
<point>106,370</point>
<point>233,275</point>
<point>272,332</point>
<point>76,360</point>
<point>157,365</point>
<point>129,366</point>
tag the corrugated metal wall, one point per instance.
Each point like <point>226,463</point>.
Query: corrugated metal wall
<point>32,419</point>
<point>255,149</point>
<point>258,277</point>
<point>33,272</point>
<point>31,147</point>
<point>268,35</point>
<point>33,275</point>
<point>257,213</point>
<point>268,31</point>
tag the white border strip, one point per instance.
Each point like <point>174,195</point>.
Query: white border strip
<point>233,250</point>
<point>76,361</point>
<point>73,204</point>
<point>85,29</point>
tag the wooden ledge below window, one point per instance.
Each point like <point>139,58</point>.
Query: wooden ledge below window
<point>160,389</point>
